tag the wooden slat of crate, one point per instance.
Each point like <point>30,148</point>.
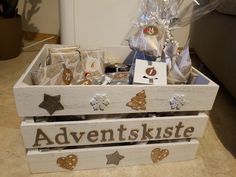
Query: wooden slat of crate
<point>76,99</point>
<point>101,157</point>
<point>76,133</point>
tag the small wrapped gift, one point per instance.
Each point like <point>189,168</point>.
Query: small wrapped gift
<point>148,39</point>
<point>68,65</point>
<point>48,75</point>
<point>61,54</point>
<point>93,61</point>
<point>151,73</point>
<point>147,35</point>
<point>176,14</point>
<point>179,65</point>
<point>152,36</point>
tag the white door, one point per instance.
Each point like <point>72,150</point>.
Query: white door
<point>95,23</point>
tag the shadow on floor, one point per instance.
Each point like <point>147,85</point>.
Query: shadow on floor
<point>223,113</point>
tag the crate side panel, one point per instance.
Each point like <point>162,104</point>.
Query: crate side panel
<point>93,132</point>
<point>112,156</point>
<point>77,99</point>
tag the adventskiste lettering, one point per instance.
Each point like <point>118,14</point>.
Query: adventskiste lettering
<point>143,132</point>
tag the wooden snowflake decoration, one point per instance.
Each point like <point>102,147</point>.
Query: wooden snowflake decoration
<point>177,101</point>
<point>99,102</point>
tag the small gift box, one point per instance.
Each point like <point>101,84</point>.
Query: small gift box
<point>69,65</point>
<point>148,72</point>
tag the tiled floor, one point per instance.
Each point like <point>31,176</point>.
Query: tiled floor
<point>213,159</point>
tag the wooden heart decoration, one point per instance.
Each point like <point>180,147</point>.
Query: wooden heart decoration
<point>69,162</point>
<point>159,154</point>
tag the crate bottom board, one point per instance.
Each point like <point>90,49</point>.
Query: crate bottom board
<point>113,156</point>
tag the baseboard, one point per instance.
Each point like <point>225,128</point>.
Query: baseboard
<point>34,36</point>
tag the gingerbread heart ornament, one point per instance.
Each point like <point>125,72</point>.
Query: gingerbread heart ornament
<point>159,154</point>
<point>69,162</point>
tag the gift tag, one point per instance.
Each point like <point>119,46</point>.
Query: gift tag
<point>151,30</point>
<point>148,72</point>
<point>67,76</point>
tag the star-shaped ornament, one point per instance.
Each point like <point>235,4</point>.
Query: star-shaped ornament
<point>51,103</point>
<point>114,158</point>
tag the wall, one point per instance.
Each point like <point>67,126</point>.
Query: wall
<point>43,16</point>
<point>40,15</point>
<point>181,35</point>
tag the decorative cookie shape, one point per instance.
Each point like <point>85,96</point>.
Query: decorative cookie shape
<point>69,162</point>
<point>138,102</point>
<point>159,154</point>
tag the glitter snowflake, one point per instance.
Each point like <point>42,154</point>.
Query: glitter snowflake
<point>177,101</point>
<point>99,102</point>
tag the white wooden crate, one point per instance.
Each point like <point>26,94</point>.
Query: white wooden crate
<point>76,99</point>
<point>92,143</point>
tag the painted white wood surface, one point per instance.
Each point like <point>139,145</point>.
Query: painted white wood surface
<point>76,99</point>
<point>90,158</point>
<point>103,129</point>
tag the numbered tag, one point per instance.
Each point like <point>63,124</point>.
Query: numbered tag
<point>151,30</point>
<point>148,72</point>
<point>67,76</point>
<point>151,71</point>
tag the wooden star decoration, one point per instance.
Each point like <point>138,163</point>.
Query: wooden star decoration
<point>114,158</point>
<point>51,103</point>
